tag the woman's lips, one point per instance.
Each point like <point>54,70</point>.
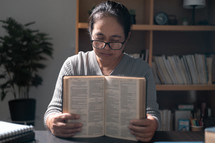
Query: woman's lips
<point>106,54</point>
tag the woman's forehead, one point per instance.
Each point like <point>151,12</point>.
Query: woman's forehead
<point>108,25</point>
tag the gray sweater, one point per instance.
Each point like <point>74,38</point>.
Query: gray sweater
<point>86,64</point>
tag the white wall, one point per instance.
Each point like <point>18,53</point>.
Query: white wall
<point>57,18</point>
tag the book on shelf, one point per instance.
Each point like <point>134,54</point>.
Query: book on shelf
<point>211,68</point>
<point>166,120</point>
<point>181,115</point>
<point>169,70</point>
<point>185,69</point>
<point>186,72</point>
<point>15,133</point>
<point>154,71</point>
<point>105,104</point>
<point>135,55</point>
<point>144,55</point>
<point>201,61</point>
<point>186,107</point>
<point>162,71</point>
<point>183,125</point>
<point>210,135</point>
<point>192,68</point>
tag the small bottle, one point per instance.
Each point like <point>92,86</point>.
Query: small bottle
<point>185,21</point>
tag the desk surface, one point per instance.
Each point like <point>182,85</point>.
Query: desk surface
<point>47,137</point>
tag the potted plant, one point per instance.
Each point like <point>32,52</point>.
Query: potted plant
<point>22,53</point>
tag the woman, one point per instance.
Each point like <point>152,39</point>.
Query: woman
<point>109,28</point>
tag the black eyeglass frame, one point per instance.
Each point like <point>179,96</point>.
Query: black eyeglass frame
<point>108,43</point>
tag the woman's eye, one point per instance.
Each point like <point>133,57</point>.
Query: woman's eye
<point>115,41</point>
<point>99,39</point>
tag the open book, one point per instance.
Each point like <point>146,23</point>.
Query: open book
<point>209,135</point>
<point>105,104</point>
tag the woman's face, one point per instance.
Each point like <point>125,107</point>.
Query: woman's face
<point>107,29</point>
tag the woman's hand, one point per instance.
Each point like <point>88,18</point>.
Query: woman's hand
<point>143,129</point>
<point>59,125</point>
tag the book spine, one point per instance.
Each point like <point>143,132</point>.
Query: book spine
<point>185,69</point>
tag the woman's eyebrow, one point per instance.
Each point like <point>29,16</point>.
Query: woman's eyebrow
<point>99,34</point>
<point>116,36</point>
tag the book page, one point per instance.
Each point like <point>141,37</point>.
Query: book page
<point>123,103</point>
<point>85,96</point>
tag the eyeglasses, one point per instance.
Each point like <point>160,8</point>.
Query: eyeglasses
<point>112,45</point>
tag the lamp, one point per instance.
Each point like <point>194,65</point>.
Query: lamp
<point>193,4</point>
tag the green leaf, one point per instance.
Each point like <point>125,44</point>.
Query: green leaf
<point>22,53</point>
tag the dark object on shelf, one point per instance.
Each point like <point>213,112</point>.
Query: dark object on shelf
<point>161,18</point>
<point>209,122</point>
<point>185,21</point>
<point>172,20</point>
<point>133,16</point>
<point>133,19</point>
<point>203,22</point>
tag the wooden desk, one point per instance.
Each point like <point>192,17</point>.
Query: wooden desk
<point>47,137</point>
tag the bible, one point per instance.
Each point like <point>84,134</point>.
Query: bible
<point>106,104</point>
<point>209,135</point>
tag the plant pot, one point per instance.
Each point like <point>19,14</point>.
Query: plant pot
<point>22,109</point>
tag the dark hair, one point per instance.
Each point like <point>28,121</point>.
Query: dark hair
<point>111,8</point>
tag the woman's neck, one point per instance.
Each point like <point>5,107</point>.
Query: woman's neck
<point>107,67</point>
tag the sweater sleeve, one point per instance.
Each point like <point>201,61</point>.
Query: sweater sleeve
<point>55,106</point>
<point>79,64</point>
<point>152,105</point>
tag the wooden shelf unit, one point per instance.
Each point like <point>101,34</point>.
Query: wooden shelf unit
<point>198,87</point>
<point>142,27</point>
<point>144,15</point>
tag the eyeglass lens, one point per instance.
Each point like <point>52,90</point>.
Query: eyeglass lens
<point>101,45</point>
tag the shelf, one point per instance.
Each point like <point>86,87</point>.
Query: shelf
<point>82,25</point>
<point>162,27</point>
<point>173,28</point>
<point>185,87</point>
<point>164,40</point>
